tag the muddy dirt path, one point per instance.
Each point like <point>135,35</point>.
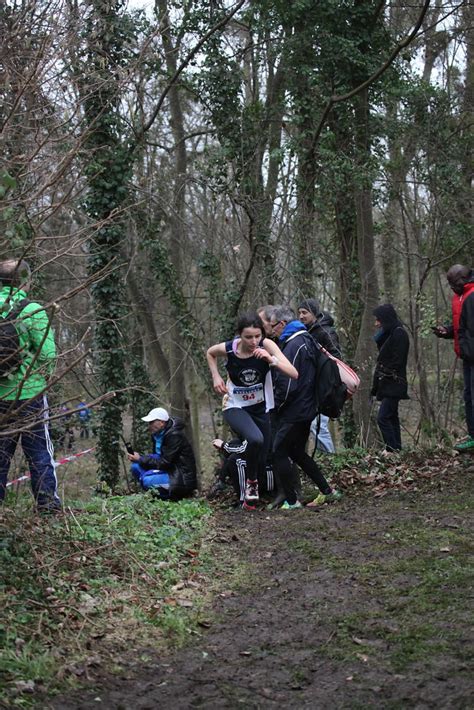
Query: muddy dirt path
<point>362,604</point>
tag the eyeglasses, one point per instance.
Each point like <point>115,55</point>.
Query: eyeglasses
<point>273,325</point>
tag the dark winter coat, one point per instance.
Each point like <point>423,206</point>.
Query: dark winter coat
<point>324,333</point>
<point>295,399</point>
<point>466,322</point>
<point>390,376</point>
<point>177,459</point>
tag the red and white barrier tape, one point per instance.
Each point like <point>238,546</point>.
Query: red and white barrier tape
<point>66,459</point>
<point>74,456</point>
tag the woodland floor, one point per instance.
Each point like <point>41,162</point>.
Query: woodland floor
<point>363,604</point>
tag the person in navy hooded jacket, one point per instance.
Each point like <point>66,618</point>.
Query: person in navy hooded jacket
<point>295,409</point>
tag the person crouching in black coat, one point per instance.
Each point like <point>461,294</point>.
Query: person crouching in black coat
<point>390,376</point>
<point>172,455</point>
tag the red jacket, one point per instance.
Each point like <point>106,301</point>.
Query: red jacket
<point>457,303</point>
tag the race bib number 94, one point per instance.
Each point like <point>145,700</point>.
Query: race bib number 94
<point>246,396</point>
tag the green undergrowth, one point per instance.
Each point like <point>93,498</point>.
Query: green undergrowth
<point>75,586</point>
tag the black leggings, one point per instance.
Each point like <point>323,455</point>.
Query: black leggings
<point>290,445</point>
<point>254,432</point>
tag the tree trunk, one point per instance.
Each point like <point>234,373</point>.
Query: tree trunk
<point>151,342</point>
<point>107,173</point>
<point>178,216</point>
<point>465,199</point>
<point>365,351</point>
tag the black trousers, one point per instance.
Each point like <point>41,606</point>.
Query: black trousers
<point>289,445</point>
<point>389,423</point>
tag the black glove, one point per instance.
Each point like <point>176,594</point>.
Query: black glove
<point>149,462</point>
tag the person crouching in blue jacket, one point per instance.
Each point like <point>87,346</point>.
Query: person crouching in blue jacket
<point>171,467</point>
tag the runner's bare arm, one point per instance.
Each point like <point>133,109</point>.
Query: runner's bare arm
<point>212,354</point>
<point>277,359</point>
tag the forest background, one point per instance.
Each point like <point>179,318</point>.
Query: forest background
<point>165,168</point>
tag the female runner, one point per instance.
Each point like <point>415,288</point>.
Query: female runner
<point>248,396</point>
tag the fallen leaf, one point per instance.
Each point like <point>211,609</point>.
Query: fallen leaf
<point>205,624</point>
<point>177,587</point>
<point>185,602</point>
<point>25,686</point>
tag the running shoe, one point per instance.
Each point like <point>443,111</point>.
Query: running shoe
<point>251,490</point>
<point>465,445</point>
<point>248,506</point>
<point>276,502</point>
<point>323,498</point>
<point>291,506</point>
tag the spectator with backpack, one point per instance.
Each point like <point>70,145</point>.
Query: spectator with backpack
<point>27,359</point>
<point>320,326</point>
<point>390,376</point>
<point>295,408</point>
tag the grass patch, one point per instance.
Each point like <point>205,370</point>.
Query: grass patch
<point>418,585</point>
<point>73,587</point>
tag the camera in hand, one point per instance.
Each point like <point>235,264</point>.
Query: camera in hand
<point>129,447</point>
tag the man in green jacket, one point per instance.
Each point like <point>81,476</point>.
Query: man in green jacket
<point>23,402</point>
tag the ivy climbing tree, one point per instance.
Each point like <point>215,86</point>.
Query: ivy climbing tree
<point>107,31</point>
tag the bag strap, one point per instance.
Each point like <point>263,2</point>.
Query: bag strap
<point>17,309</point>
<point>318,429</point>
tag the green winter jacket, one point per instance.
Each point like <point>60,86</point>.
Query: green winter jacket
<point>37,344</point>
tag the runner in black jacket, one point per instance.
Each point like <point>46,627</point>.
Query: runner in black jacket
<point>295,409</point>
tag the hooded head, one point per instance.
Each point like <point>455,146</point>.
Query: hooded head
<point>311,304</point>
<point>458,276</point>
<point>386,315</point>
<point>15,273</point>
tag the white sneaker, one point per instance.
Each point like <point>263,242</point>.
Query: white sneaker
<point>251,490</point>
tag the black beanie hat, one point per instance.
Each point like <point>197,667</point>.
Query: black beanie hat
<point>311,304</point>
<point>386,314</point>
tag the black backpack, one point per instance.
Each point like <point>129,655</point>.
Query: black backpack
<point>10,349</point>
<point>330,391</point>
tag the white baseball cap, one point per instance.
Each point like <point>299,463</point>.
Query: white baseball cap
<point>157,413</point>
